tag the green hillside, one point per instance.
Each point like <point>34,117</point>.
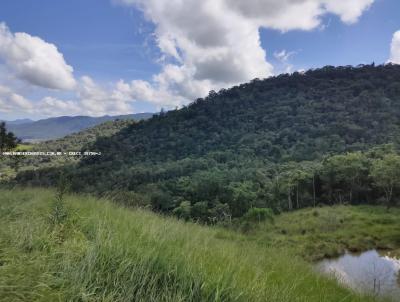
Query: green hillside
<point>84,138</point>
<point>70,143</point>
<point>288,117</point>
<point>326,136</point>
<point>84,249</point>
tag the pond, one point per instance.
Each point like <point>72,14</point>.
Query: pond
<point>370,272</point>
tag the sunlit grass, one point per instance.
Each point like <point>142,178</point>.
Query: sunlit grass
<point>24,147</point>
<point>102,252</point>
<point>330,231</point>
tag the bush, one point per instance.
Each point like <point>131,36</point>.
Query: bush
<point>183,211</point>
<point>129,199</point>
<point>259,215</point>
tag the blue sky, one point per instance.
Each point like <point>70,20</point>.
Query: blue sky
<point>366,41</point>
<point>95,36</point>
<point>135,55</point>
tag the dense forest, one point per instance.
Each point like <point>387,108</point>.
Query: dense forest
<point>324,136</point>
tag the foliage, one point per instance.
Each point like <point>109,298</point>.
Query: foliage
<point>8,140</point>
<point>259,215</point>
<point>76,142</point>
<point>283,143</point>
<point>114,254</point>
<point>386,175</point>
<point>330,231</point>
<point>184,210</point>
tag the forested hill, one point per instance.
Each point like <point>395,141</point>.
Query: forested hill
<point>70,143</point>
<point>260,144</point>
<point>297,117</point>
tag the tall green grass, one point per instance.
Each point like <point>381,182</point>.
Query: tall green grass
<point>101,252</point>
<point>324,232</point>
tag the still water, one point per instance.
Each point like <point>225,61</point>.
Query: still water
<point>369,272</point>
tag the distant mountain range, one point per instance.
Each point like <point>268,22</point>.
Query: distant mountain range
<point>19,121</point>
<point>57,127</point>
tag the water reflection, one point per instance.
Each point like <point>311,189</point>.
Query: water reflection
<point>371,272</point>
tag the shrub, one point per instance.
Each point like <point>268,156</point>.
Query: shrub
<point>183,211</point>
<point>259,215</point>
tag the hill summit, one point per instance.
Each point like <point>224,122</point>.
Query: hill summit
<point>298,117</point>
<point>254,145</point>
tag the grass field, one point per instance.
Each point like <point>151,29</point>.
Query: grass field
<point>330,231</point>
<point>24,147</point>
<point>92,250</point>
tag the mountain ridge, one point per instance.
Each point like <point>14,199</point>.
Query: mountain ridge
<point>57,127</point>
<point>18,121</point>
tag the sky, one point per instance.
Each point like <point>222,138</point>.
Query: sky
<point>111,57</point>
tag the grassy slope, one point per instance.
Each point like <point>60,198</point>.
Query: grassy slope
<point>329,231</point>
<point>106,253</point>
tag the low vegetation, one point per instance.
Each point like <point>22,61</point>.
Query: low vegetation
<point>329,231</point>
<point>97,251</point>
<point>279,172</point>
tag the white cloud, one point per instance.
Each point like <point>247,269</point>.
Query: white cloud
<point>97,101</point>
<point>34,60</point>
<point>90,99</point>
<point>51,106</point>
<point>283,57</point>
<point>349,11</point>
<point>212,44</point>
<point>144,91</point>
<point>395,48</point>
<point>11,101</point>
<point>205,45</point>
<point>39,63</point>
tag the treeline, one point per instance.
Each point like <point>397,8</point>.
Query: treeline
<point>371,177</point>
<point>268,144</point>
<point>210,191</point>
<point>8,140</point>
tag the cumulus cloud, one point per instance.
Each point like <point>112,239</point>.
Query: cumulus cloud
<point>205,45</point>
<point>212,44</point>
<point>348,11</point>
<point>11,101</point>
<point>395,49</point>
<point>51,106</point>
<point>39,63</point>
<point>144,91</point>
<point>97,101</point>
<point>90,99</point>
<point>34,60</point>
